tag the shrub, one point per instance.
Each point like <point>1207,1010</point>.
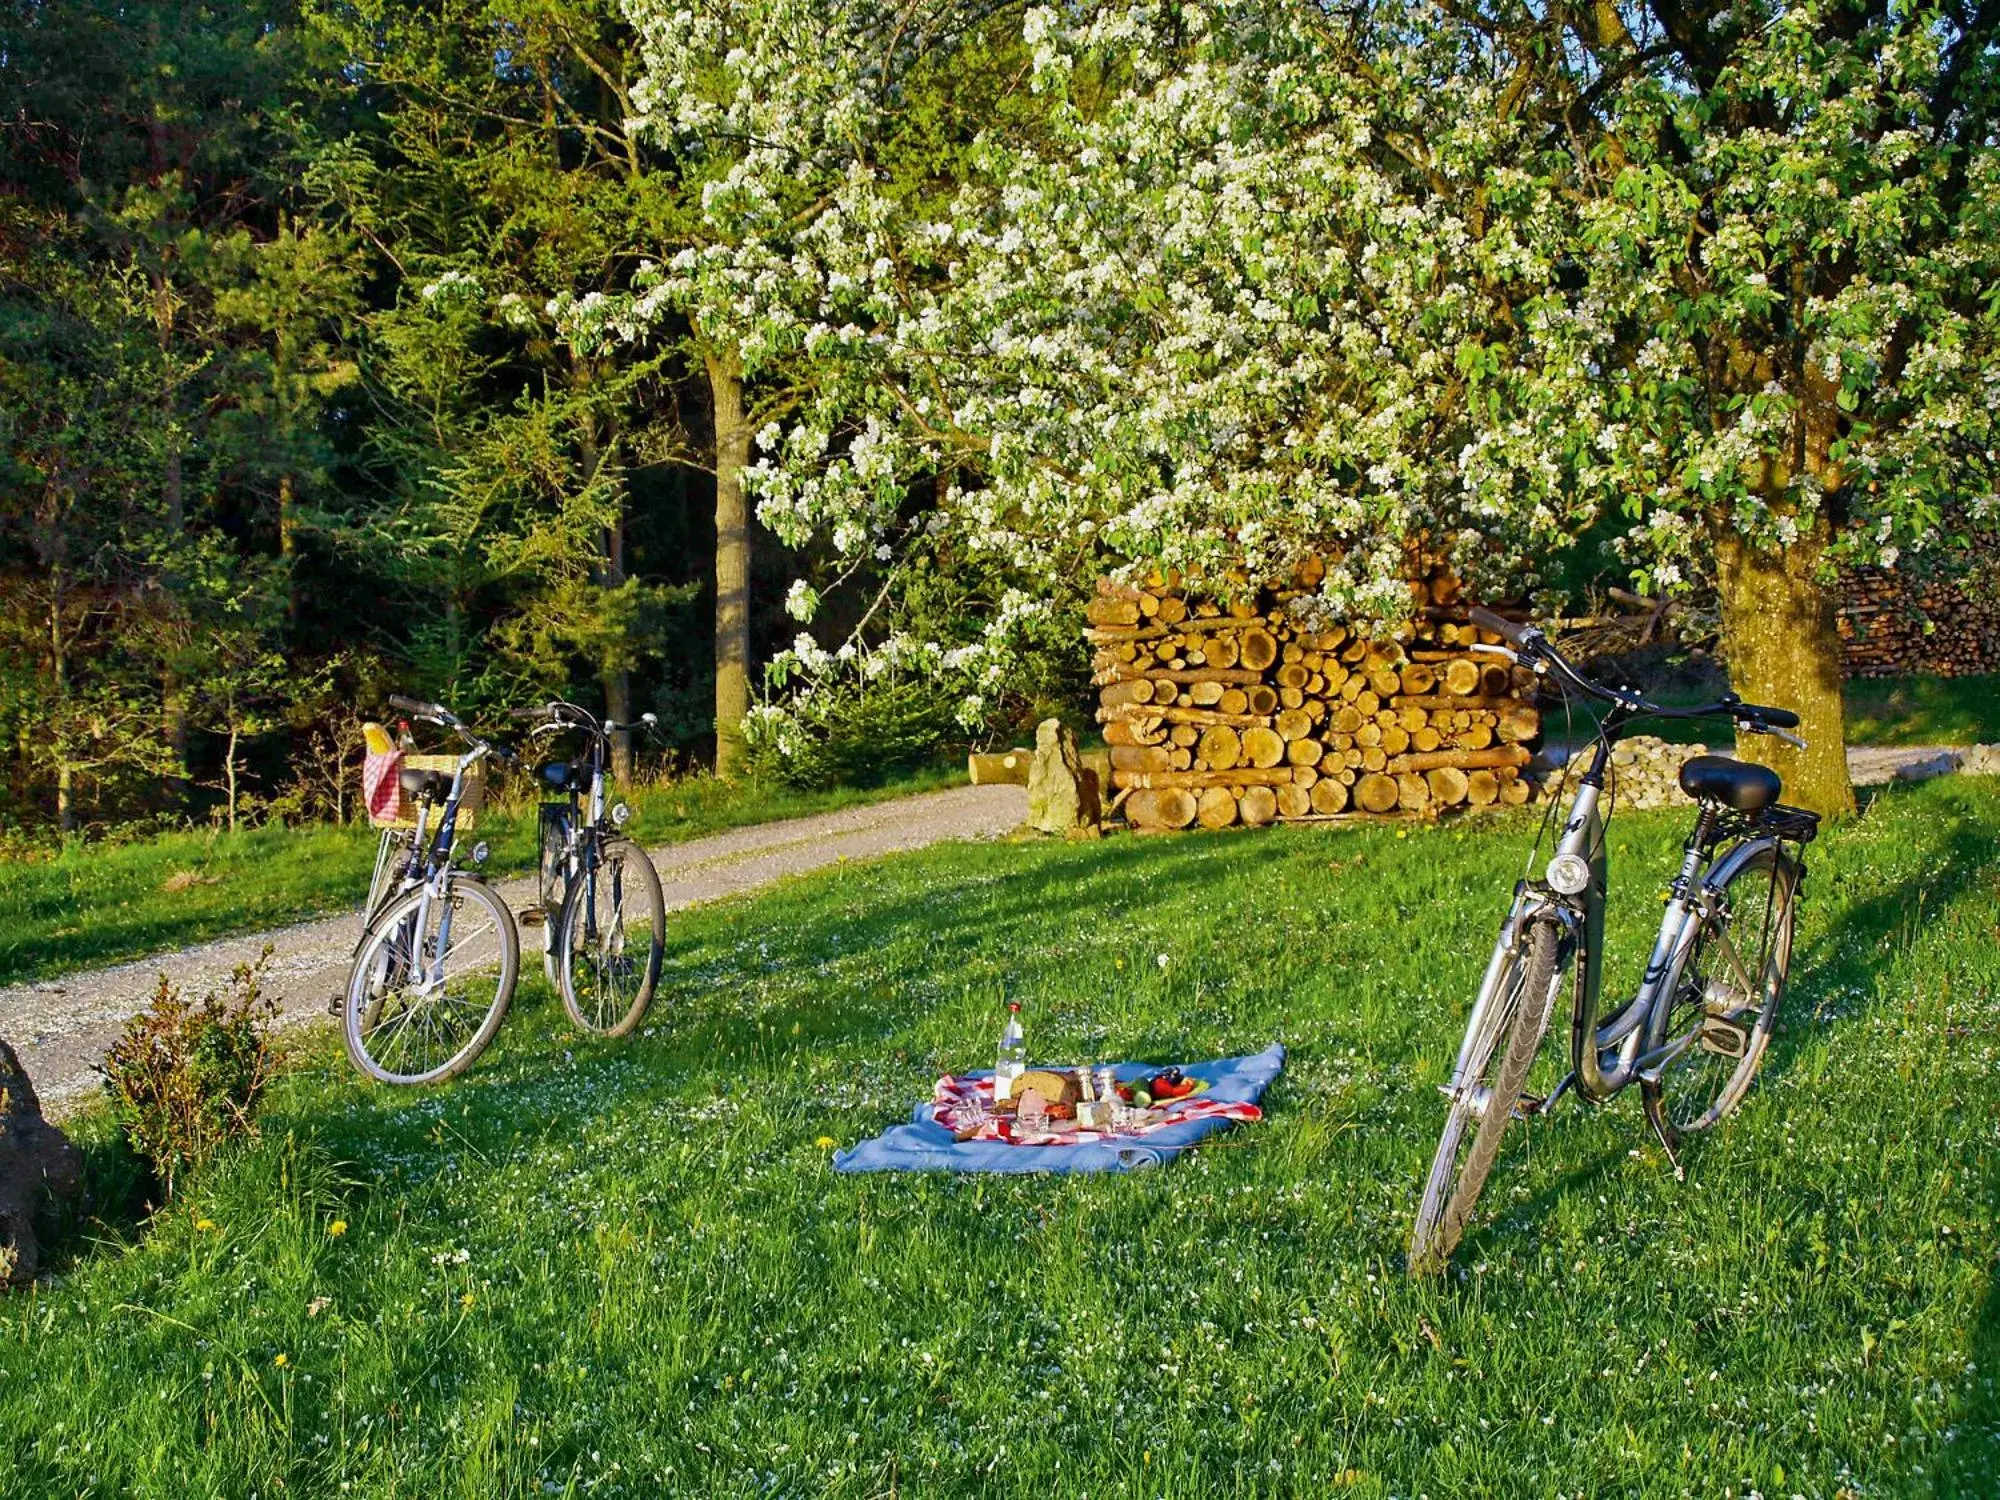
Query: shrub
<point>853,734</point>
<point>185,1079</point>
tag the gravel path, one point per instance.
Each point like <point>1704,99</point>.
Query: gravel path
<point>60,1027</point>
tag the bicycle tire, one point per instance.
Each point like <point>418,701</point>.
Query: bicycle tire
<point>589,963</point>
<point>551,878</point>
<point>1703,1085</point>
<point>380,979</point>
<point>1452,1189</point>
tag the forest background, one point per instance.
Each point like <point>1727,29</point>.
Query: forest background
<point>466,348</point>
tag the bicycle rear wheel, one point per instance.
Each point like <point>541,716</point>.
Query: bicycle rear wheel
<point>551,875</point>
<point>610,938</point>
<point>431,983</point>
<point>1726,1000</point>
<point>1496,1073</point>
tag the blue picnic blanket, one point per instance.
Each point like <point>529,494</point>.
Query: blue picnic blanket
<point>923,1145</point>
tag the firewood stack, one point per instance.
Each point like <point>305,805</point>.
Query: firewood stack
<point>1238,714</point>
<point>1883,619</point>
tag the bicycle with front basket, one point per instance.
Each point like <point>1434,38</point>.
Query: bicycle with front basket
<point>599,903</point>
<point>439,954</point>
<point>1695,1033</point>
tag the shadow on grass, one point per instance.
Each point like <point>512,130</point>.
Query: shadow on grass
<point>120,1193</point>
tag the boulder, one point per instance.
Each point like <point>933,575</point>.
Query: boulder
<point>35,1158</point>
<point>1063,795</point>
<point>1980,760</point>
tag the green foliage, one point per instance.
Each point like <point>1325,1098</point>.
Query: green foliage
<point>627,1266</point>
<point>862,735</point>
<point>187,1079</point>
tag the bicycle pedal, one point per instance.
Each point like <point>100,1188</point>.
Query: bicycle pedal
<point>333,1003</point>
<point>1530,1104</point>
<point>532,916</point>
<point>1725,1038</point>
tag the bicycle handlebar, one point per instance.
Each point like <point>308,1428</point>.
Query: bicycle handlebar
<point>420,708</point>
<point>1507,630</point>
<point>1536,650</point>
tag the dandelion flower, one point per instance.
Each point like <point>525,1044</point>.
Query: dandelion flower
<point>282,1361</point>
<point>204,1226</point>
<point>467,1300</point>
<point>337,1228</point>
<point>825,1143</point>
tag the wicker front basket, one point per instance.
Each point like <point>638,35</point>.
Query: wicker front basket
<point>468,807</point>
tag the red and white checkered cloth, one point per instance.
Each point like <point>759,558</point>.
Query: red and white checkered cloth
<point>381,785</point>
<point>964,1107</point>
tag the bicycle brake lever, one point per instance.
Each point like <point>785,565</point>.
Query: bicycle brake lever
<point>1506,651</point>
<point>1751,726</point>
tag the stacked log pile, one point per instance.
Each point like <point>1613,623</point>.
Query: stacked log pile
<point>1891,625</point>
<point>1220,715</point>
<point>1646,771</point>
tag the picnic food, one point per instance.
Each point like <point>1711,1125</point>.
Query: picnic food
<point>1056,1088</point>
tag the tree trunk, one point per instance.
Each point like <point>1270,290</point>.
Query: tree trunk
<point>618,705</point>
<point>1781,635</point>
<point>732,564</point>
<point>616,679</point>
<point>59,680</point>
<point>288,541</point>
<point>229,773</point>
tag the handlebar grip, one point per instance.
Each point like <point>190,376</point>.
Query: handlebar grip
<point>541,711</point>
<point>1776,718</point>
<point>1485,619</point>
<point>417,706</point>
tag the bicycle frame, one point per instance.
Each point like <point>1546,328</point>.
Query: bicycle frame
<point>1609,1056</point>
<point>428,866</point>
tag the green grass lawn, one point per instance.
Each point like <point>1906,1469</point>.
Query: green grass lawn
<point>1880,711</point>
<point>98,904</point>
<point>627,1269</point>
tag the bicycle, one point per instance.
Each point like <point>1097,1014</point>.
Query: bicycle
<point>600,902</point>
<point>416,1008</point>
<point>1694,1034</point>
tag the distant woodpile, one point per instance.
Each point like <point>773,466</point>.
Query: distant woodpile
<point>1238,714</point>
<point>1883,619</point>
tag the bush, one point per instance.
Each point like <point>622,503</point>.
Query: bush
<point>853,734</point>
<point>187,1079</point>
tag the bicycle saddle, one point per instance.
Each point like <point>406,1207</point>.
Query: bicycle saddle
<point>418,783</point>
<point>1733,783</point>
<point>562,774</point>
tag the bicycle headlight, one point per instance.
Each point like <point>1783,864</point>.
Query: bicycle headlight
<point>620,814</point>
<point>1569,874</point>
<point>479,852</point>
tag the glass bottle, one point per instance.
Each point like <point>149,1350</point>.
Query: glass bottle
<point>1013,1060</point>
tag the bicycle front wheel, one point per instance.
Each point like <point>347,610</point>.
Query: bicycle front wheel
<point>1726,1000</point>
<point>1497,1071</point>
<point>610,938</point>
<point>431,983</point>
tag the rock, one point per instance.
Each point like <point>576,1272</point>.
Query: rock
<point>34,1156</point>
<point>1980,760</point>
<point>1063,795</point>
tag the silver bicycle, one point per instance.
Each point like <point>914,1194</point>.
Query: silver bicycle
<point>1693,1036</point>
<point>439,954</point>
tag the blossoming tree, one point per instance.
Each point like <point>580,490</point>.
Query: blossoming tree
<point>1259,280</point>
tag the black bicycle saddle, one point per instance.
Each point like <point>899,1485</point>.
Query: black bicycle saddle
<point>1733,783</point>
